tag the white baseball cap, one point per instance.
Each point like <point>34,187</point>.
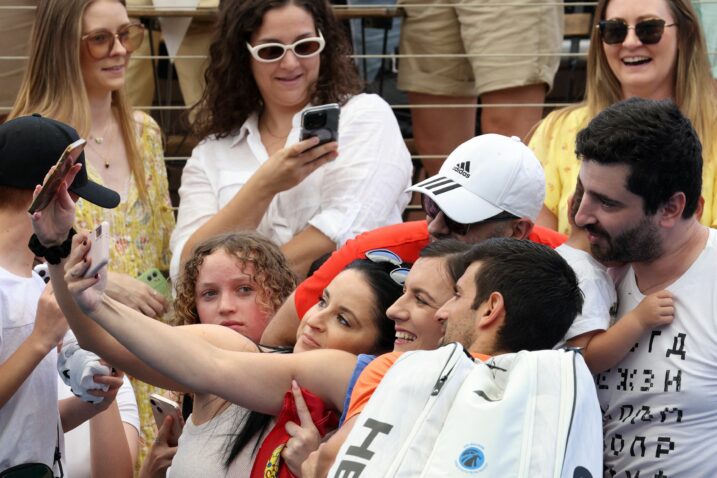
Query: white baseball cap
<point>485,176</point>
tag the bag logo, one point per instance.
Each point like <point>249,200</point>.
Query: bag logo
<point>472,459</point>
<point>464,169</point>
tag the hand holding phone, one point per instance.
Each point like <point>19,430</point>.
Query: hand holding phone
<point>100,251</point>
<point>155,279</point>
<point>322,122</point>
<point>62,168</point>
<point>161,407</point>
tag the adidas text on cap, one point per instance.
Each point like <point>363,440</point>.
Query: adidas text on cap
<point>485,176</point>
<point>31,145</point>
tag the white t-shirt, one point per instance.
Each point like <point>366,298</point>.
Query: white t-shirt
<point>600,298</point>
<point>29,420</point>
<point>361,190</point>
<point>202,448</point>
<point>76,458</point>
<point>660,417</point>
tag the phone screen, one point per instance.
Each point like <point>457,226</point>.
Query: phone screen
<point>62,168</point>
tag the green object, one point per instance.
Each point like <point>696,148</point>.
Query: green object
<point>156,280</point>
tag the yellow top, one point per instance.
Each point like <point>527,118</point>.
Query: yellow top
<point>554,144</point>
<point>139,238</point>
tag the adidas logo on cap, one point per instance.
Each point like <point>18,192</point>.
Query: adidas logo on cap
<point>464,169</point>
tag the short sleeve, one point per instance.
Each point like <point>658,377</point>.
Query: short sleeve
<point>368,381</point>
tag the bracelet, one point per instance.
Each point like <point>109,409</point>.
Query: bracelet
<point>54,254</point>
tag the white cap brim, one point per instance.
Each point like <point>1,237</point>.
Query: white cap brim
<point>455,201</point>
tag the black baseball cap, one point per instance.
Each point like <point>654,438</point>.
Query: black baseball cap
<point>31,145</point>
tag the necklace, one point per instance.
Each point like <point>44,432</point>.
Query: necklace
<point>100,139</point>
<point>102,157</point>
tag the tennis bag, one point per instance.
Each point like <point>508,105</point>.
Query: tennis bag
<point>441,414</point>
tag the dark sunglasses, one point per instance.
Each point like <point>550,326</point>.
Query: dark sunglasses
<point>432,210</point>
<point>648,31</point>
<point>100,42</point>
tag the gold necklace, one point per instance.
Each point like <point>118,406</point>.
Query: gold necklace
<point>102,157</point>
<point>100,139</point>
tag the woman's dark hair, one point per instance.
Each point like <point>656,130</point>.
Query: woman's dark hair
<point>386,291</point>
<point>231,94</point>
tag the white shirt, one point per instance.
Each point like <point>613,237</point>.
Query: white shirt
<point>600,298</point>
<point>29,420</point>
<point>362,189</point>
<point>660,417</point>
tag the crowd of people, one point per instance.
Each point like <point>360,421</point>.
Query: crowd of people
<point>296,287</point>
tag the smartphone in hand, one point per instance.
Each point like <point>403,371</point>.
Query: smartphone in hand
<point>321,121</point>
<point>155,279</point>
<point>100,251</point>
<point>62,168</point>
<point>161,407</point>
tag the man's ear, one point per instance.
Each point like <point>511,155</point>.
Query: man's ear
<point>521,228</point>
<point>491,311</point>
<point>671,211</point>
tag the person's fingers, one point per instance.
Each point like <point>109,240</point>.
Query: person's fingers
<point>320,151</point>
<point>301,409</point>
<point>291,428</point>
<point>109,380</point>
<point>154,303</point>
<point>147,310</point>
<point>164,430</point>
<point>302,146</point>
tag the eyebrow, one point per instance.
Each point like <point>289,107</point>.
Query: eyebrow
<point>342,309</point>
<point>603,197</point>
<point>276,40</point>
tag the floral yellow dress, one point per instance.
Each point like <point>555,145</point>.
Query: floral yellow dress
<point>139,237</point>
<point>554,144</point>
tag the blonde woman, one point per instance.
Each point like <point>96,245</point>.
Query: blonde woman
<point>76,73</point>
<point>651,49</point>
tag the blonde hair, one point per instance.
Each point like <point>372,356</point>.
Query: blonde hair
<point>53,84</point>
<point>693,84</point>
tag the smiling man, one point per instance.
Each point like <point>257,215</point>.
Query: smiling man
<point>641,171</point>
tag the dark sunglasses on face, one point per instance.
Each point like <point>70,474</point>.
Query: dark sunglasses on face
<point>271,52</point>
<point>100,42</point>
<point>648,31</point>
<point>432,210</point>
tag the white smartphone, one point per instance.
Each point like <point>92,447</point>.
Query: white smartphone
<point>161,407</point>
<point>100,251</point>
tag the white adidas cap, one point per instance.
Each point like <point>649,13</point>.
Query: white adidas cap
<point>485,176</point>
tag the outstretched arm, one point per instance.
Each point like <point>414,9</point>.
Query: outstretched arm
<point>199,366</point>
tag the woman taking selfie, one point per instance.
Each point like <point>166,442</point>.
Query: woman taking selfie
<point>271,60</point>
<point>75,74</point>
<point>228,291</point>
<point>650,49</point>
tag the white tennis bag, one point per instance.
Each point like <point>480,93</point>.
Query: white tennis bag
<point>441,414</point>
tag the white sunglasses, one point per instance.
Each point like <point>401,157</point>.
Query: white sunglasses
<point>271,52</point>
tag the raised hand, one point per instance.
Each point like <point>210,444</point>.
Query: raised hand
<point>162,453</point>
<point>50,324</point>
<point>87,292</point>
<point>136,294</point>
<point>305,437</point>
<point>289,166</point>
<point>52,224</point>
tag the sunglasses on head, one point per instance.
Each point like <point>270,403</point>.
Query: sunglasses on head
<point>432,210</point>
<point>304,48</point>
<point>100,42</point>
<point>648,31</point>
<point>398,274</point>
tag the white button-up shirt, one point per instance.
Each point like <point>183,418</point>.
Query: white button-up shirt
<point>362,189</point>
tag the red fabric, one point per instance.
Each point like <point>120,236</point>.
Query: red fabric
<point>268,463</point>
<point>405,239</point>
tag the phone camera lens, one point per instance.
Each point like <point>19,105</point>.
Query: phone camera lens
<point>315,121</point>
